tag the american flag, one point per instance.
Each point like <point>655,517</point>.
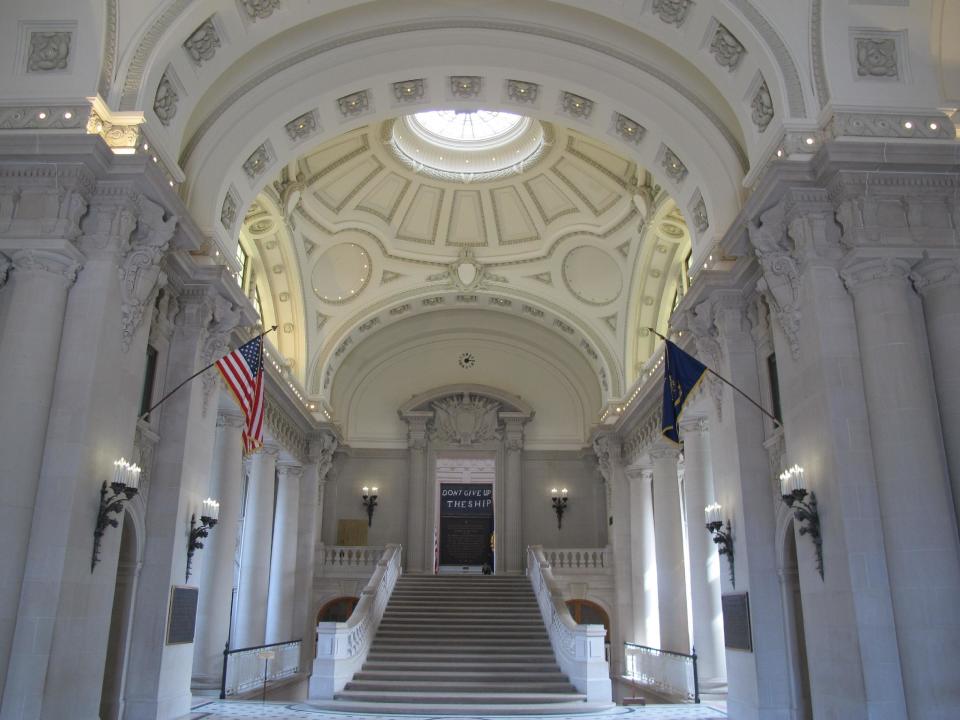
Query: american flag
<point>242,370</point>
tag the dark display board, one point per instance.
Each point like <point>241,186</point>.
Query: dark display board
<point>736,622</point>
<point>466,524</point>
<point>182,621</point>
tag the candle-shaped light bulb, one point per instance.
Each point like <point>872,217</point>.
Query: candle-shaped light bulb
<point>373,490</point>
<point>133,479</point>
<point>117,469</point>
<point>553,492</point>
<point>564,492</point>
<point>366,490</point>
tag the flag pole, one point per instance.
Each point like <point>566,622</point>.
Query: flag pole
<point>198,372</point>
<point>721,377</point>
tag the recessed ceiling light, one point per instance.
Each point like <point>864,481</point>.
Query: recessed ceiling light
<point>908,125</point>
<point>933,126</point>
<point>810,141</point>
<point>67,115</point>
<point>42,115</point>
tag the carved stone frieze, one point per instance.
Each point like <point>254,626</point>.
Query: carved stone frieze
<point>673,12</point>
<point>285,431</point>
<point>260,9</point>
<point>522,92</point>
<point>203,42</point>
<point>761,107</point>
<point>466,86</point>
<point>465,419</point>
<point>576,105</point>
<point>302,126</point>
<point>48,51</point>
<point>726,49</point>
<point>926,126</point>
<point>139,271</point>
<point>408,90</point>
<point>644,435</point>
<point>43,117</point>
<point>672,164</point>
<point>354,104</point>
<point>629,130</point>
<point>258,161</point>
<point>43,201</point>
<point>877,57</point>
<point>165,100</point>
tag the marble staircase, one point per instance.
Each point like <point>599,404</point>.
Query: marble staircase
<point>462,640</point>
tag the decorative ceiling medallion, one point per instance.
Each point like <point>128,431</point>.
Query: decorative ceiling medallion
<point>522,92</point>
<point>261,227</point>
<point>629,130</point>
<point>467,273</point>
<point>576,105</point>
<point>671,230</point>
<point>408,90</point>
<point>592,275</point>
<point>341,273</point>
<point>465,86</point>
<point>354,103</point>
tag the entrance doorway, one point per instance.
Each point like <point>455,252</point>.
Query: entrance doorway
<point>114,671</point>
<point>796,638</point>
<point>465,515</point>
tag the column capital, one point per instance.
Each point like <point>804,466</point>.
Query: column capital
<point>663,452</point>
<point>269,448</point>
<point>639,472</point>
<point>935,273</point>
<point>289,471</point>
<point>61,265</point>
<point>230,420</point>
<point>863,272</point>
<point>693,425</point>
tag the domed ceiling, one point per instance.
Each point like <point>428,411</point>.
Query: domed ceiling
<point>462,210</point>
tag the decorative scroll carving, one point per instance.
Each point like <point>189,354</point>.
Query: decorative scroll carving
<point>5,266</point>
<point>48,51</point>
<point>726,48</point>
<point>877,58</point>
<point>260,9</point>
<point>165,100</point>
<point>781,273</point>
<point>203,42</point>
<point>224,319</point>
<point>672,11</point>
<point>465,419</point>
<point>603,448</point>
<point>324,447</point>
<point>761,107</point>
<point>39,261</point>
<point>140,273</point>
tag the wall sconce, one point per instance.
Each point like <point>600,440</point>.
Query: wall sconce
<point>369,502</point>
<point>793,488</point>
<point>208,518</point>
<point>723,538</point>
<point>123,486</point>
<point>559,500</point>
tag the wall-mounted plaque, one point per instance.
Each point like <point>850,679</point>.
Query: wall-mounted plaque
<point>736,622</point>
<point>182,620</point>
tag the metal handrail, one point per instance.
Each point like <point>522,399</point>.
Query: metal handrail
<point>692,656</point>
<point>227,652</point>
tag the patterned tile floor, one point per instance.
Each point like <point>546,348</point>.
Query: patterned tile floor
<point>240,710</point>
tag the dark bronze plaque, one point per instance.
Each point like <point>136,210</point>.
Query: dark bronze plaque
<point>736,622</point>
<point>183,615</point>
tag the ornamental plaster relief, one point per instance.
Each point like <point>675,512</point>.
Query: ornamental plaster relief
<point>725,48</point>
<point>49,51</point>
<point>165,100</point>
<point>876,57</point>
<point>222,318</point>
<point>203,42</point>
<point>259,9</point>
<point>44,201</point>
<point>672,12</point>
<point>761,107</point>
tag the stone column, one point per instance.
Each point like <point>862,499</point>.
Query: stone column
<point>938,282</point>
<point>216,583</point>
<point>511,544</point>
<point>607,450</point>
<point>36,302</point>
<point>705,564</point>
<point>255,554</point>
<point>646,613</point>
<point>417,518</point>
<point>283,561</point>
<point>919,525</point>
<point>668,529</point>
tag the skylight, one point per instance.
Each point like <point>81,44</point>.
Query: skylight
<point>478,126</point>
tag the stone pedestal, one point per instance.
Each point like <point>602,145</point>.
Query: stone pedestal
<point>705,562</point>
<point>256,549</point>
<point>646,613</point>
<point>216,585</point>
<point>919,525</point>
<point>283,562</point>
<point>671,574</point>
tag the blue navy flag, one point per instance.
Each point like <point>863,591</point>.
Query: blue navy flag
<point>681,375</point>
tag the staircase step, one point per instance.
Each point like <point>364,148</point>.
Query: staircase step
<point>468,698</point>
<point>459,666</point>
<point>537,657</point>
<point>446,673</point>
<point>434,634</point>
<point>504,646</point>
<point>480,687</point>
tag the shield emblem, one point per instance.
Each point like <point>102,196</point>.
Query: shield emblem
<point>466,273</point>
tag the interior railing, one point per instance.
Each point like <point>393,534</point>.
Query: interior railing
<point>671,674</point>
<point>342,648</point>
<point>579,649</point>
<point>249,668</point>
